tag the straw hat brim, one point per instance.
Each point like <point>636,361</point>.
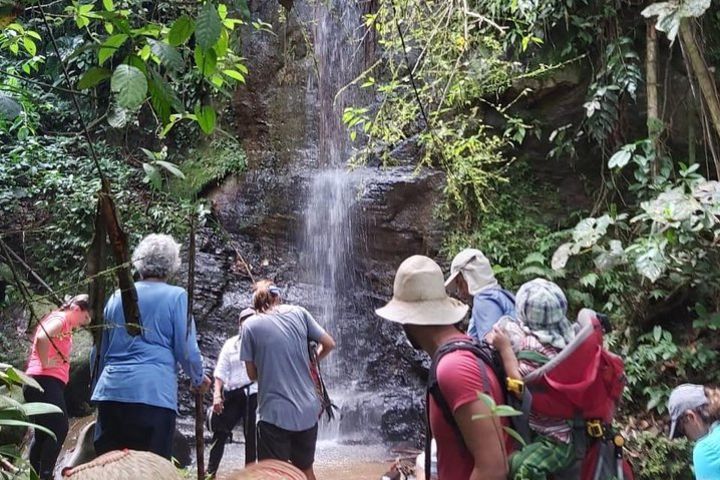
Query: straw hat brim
<point>448,311</point>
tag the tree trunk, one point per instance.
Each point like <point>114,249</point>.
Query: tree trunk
<point>654,124</point>
<point>704,77</point>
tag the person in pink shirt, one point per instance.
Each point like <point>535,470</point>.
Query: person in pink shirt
<point>49,365</point>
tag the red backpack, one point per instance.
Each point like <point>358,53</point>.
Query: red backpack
<point>582,384</point>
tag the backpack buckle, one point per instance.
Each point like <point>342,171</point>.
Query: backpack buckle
<point>594,428</point>
<point>515,386</point>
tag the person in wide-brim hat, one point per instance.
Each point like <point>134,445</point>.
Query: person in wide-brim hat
<point>430,318</point>
<point>419,296</point>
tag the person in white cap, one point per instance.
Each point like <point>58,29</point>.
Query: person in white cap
<point>695,413</point>
<point>472,277</point>
<point>234,399</point>
<point>472,444</point>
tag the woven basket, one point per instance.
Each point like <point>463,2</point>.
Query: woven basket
<point>269,470</point>
<point>124,465</point>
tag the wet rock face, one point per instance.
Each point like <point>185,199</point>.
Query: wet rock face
<point>394,217</point>
<point>279,118</point>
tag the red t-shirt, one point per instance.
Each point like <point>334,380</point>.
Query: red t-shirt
<point>459,379</point>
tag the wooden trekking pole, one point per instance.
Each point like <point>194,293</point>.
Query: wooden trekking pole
<point>199,412</point>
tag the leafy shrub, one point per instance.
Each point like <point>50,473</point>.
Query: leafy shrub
<point>50,197</point>
<point>516,240</point>
<point>15,417</point>
<point>654,456</point>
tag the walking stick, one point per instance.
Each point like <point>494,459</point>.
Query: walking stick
<point>199,432</point>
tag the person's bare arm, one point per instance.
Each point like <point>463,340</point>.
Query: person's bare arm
<point>484,439</point>
<point>327,344</point>
<point>251,371</point>
<point>499,339</point>
<point>50,329</point>
<point>217,396</point>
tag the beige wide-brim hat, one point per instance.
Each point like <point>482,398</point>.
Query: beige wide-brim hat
<point>419,296</point>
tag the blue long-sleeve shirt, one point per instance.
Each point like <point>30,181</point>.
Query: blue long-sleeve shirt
<point>144,368</point>
<point>488,306</point>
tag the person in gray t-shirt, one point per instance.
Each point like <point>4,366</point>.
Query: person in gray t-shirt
<point>274,348</point>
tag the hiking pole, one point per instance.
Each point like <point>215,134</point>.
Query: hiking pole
<point>199,430</point>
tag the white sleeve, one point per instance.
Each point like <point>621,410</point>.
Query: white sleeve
<point>222,369</point>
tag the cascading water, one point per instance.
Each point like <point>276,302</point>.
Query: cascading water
<point>328,237</point>
<point>327,247</point>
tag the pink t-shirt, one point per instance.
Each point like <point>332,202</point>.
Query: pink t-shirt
<point>460,380</point>
<point>63,343</point>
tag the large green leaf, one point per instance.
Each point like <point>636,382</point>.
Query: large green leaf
<point>168,55</point>
<point>206,61</point>
<point>694,8</point>
<point>118,117</point>
<point>235,75</point>
<point>93,77</point>
<point>129,85</point>
<point>21,378</point>
<point>111,45</point>
<point>8,422</point>
<point>206,118</point>
<point>651,262</point>
<point>163,98</point>
<point>171,167</point>
<point>36,408</point>
<point>621,157</point>
<point>208,26</point>
<point>181,30</point>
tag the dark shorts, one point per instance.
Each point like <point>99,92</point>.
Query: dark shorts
<point>279,444</point>
<point>135,426</point>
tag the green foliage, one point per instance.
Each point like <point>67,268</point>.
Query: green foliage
<point>15,416</point>
<point>660,361</point>
<point>51,187</point>
<point>516,240</point>
<point>151,61</point>
<point>208,165</point>
<point>654,456</point>
<point>670,14</point>
<point>499,411</point>
<point>670,235</point>
<point>13,413</point>
<point>458,62</point>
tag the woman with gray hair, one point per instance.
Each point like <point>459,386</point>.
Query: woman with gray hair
<point>136,390</point>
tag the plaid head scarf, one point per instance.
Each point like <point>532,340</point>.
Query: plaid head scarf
<point>541,305</point>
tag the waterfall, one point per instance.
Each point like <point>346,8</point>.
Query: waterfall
<point>329,236</point>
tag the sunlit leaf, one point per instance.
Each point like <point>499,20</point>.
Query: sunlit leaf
<point>171,167</point>
<point>206,61</point>
<point>181,31</point>
<point>110,46</point>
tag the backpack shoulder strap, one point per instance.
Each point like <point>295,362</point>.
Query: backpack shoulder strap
<point>486,359</point>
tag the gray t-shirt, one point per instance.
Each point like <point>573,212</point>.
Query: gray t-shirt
<point>277,342</point>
